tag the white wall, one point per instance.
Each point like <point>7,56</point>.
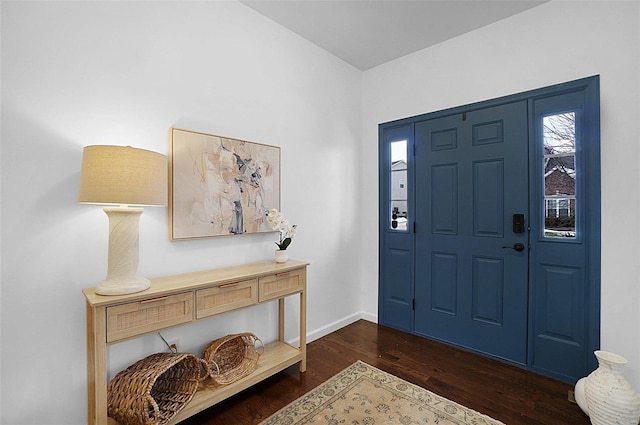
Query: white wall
<point>83,73</point>
<point>553,43</point>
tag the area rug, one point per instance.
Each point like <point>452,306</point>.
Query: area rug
<point>364,395</point>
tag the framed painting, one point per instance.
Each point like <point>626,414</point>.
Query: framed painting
<point>220,186</point>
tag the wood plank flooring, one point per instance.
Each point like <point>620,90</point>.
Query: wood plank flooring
<point>504,392</point>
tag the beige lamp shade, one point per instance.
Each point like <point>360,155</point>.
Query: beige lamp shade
<point>122,175</point>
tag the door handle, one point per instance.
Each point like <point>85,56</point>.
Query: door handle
<point>519,247</point>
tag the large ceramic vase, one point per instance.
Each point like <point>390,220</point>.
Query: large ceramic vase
<point>611,400</point>
<point>578,394</point>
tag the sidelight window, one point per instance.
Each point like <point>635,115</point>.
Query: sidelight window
<point>559,137</point>
<point>398,204</point>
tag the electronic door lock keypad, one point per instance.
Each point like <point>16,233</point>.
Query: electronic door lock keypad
<point>518,223</point>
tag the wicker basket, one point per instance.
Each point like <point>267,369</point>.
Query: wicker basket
<point>154,389</point>
<point>232,357</point>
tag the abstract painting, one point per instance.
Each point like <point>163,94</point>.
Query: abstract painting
<point>219,185</point>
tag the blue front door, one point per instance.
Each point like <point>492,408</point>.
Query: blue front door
<point>471,264</point>
<point>565,237</point>
<point>490,227</point>
<point>396,227</point>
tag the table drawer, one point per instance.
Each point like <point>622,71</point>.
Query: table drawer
<point>281,284</point>
<point>136,318</point>
<point>227,297</point>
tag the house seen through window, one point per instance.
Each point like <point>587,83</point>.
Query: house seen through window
<point>398,185</point>
<point>559,136</point>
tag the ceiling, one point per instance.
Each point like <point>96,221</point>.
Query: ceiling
<point>367,33</point>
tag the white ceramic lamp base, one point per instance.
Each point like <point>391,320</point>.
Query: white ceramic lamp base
<point>122,272</point>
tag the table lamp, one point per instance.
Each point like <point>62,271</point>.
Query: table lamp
<point>123,176</point>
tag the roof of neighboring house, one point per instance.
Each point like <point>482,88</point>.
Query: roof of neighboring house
<point>562,163</point>
<point>399,165</point>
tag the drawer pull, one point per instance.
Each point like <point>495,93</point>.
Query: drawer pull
<point>228,285</point>
<point>152,300</point>
<point>283,274</point>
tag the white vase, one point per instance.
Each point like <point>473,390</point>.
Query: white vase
<point>611,400</point>
<point>578,394</point>
<point>282,256</point>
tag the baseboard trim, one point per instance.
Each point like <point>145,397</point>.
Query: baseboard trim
<point>334,326</point>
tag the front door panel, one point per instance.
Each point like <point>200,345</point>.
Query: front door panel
<point>471,178</point>
<point>496,247</point>
<point>396,209</point>
<point>566,219</point>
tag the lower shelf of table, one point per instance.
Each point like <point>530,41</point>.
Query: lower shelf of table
<point>277,356</point>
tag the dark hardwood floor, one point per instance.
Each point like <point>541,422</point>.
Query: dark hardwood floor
<point>504,392</point>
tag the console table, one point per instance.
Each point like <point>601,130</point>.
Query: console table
<point>181,299</point>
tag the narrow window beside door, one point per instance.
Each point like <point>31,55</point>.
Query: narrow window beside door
<point>559,134</point>
<point>398,204</point>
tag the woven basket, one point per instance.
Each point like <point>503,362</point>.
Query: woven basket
<point>154,389</point>
<point>232,357</point>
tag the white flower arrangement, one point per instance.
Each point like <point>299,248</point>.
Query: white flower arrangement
<point>277,222</point>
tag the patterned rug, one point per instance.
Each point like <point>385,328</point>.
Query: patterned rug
<point>364,395</point>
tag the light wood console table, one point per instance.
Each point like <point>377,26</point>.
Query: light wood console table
<point>186,298</point>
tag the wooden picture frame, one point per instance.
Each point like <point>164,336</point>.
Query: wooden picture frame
<point>220,186</point>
